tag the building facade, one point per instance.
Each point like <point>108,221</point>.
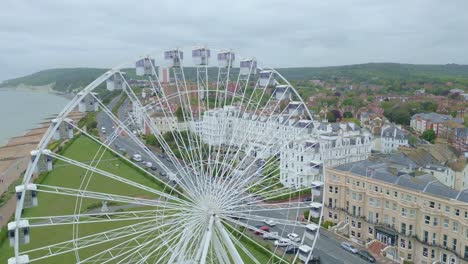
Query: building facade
<point>416,217</point>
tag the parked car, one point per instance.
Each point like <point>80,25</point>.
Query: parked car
<point>270,236</point>
<point>283,242</point>
<point>307,199</point>
<point>263,228</point>
<point>162,173</point>
<point>103,130</point>
<point>291,249</point>
<point>154,168</point>
<point>269,222</point>
<point>366,256</point>
<point>294,237</point>
<point>161,155</point>
<point>349,247</point>
<point>136,157</point>
<point>148,164</point>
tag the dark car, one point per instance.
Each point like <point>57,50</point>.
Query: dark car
<point>154,168</point>
<point>366,256</point>
<point>291,249</point>
<point>307,199</point>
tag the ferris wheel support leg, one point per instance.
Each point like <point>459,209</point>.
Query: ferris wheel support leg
<point>206,241</point>
<point>230,246</point>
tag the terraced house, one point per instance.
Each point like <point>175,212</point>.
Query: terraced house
<point>410,214</point>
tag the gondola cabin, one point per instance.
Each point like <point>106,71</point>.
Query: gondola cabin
<point>23,232</point>
<point>21,259</point>
<point>317,187</point>
<point>283,92</point>
<point>115,82</point>
<point>226,58</point>
<point>201,56</point>
<point>266,79</point>
<point>89,103</point>
<point>296,108</point>
<point>30,199</point>
<point>248,66</point>
<point>174,57</point>
<point>144,67</point>
<point>311,232</point>
<point>43,164</point>
<point>315,209</point>
<point>64,130</point>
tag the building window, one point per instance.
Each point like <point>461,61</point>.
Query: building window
<point>424,252</point>
<point>358,224</point>
<point>444,240</point>
<point>410,230</point>
<point>446,223</point>
<point>432,253</point>
<point>431,204</point>
<point>403,212</point>
<point>403,228</point>
<point>457,212</point>
<point>336,189</point>
<point>394,206</point>
<point>387,205</point>
<point>330,189</point>
<point>371,201</point>
<point>434,238</point>
<point>447,209</point>
<point>454,244</point>
<point>395,194</point>
<point>402,243</point>
<point>427,219</point>
<point>426,236</point>
<point>410,244</point>
<point>371,231</point>
<point>455,226</point>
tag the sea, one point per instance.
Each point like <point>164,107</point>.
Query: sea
<point>21,111</point>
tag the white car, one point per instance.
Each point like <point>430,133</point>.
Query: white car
<point>283,242</point>
<point>294,237</point>
<point>270,236</point>
<point>103,130</point>
<point>269,222</point>
<point>148,164</point>
<point>136,157</point>
<point>349,247</point>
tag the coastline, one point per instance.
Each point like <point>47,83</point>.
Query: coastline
<point>38,89</point>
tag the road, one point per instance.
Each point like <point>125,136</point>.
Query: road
<point>327,248</point>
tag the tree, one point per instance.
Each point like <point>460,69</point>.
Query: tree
<point>333,115</point>
<point>179,114</point>
<point>429,135</point>
<point>347,114</point>
<point>151,140</point>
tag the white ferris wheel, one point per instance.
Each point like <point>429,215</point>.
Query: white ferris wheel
<point>185,165</point>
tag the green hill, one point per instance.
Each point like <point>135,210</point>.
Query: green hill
<point>73,78</point>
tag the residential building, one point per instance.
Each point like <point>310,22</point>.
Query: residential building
<point>425,121</point>
<point>391,138</point>
<point>417,218</point>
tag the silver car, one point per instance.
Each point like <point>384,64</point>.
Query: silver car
<point>349,247</point>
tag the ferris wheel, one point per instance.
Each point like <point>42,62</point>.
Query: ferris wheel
<point>184,165</point>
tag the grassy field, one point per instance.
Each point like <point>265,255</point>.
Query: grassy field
<point>64,175</point>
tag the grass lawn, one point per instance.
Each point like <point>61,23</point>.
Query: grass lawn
<point>65,175</point>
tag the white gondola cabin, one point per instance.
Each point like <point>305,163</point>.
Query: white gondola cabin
<point>296,108</point>
<point>248,66</point>
<point>30,199</point>
<point>21,259</point>
<point>23,232</point>
<point>144,67</point>
<point>267,78</point>
<point>315,209</point>
<point>89,103</point>
<point>64,130</point>
<point>115,82</point>
<point>305,253</point>
<point>201,56</point>
<point>311,232</point>
<point>317,187</point>
<point>226,58</point>
<point>43,164</point>
<point>175,57</point>
<point>283,92</point>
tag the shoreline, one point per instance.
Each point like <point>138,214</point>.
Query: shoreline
<point>38,89</point>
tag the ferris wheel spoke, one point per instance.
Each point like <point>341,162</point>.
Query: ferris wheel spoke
<point>166,185</point>
<point>114,177</point>
<point>244,249</point>
<point>244,236</point>
<point>43,221</point>
<point>109,197</point>
<point>89,241</point>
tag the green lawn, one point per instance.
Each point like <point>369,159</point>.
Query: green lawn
<point>64,175</point>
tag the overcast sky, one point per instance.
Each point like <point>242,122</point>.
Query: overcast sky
<point>37,35</point>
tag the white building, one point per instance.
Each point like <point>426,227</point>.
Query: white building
<point>391,137</point>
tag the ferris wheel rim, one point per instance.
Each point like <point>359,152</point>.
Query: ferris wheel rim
<point>72,105</point>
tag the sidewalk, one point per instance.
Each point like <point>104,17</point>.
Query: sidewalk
<point>330,234</point>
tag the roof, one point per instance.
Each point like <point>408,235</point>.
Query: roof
<point>379,170</point>
<point>437,118</point>
<point>394,132</point>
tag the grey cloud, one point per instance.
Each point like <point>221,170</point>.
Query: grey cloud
<point>36,35</point>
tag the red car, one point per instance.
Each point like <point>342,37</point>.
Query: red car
<point>263,228</point>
